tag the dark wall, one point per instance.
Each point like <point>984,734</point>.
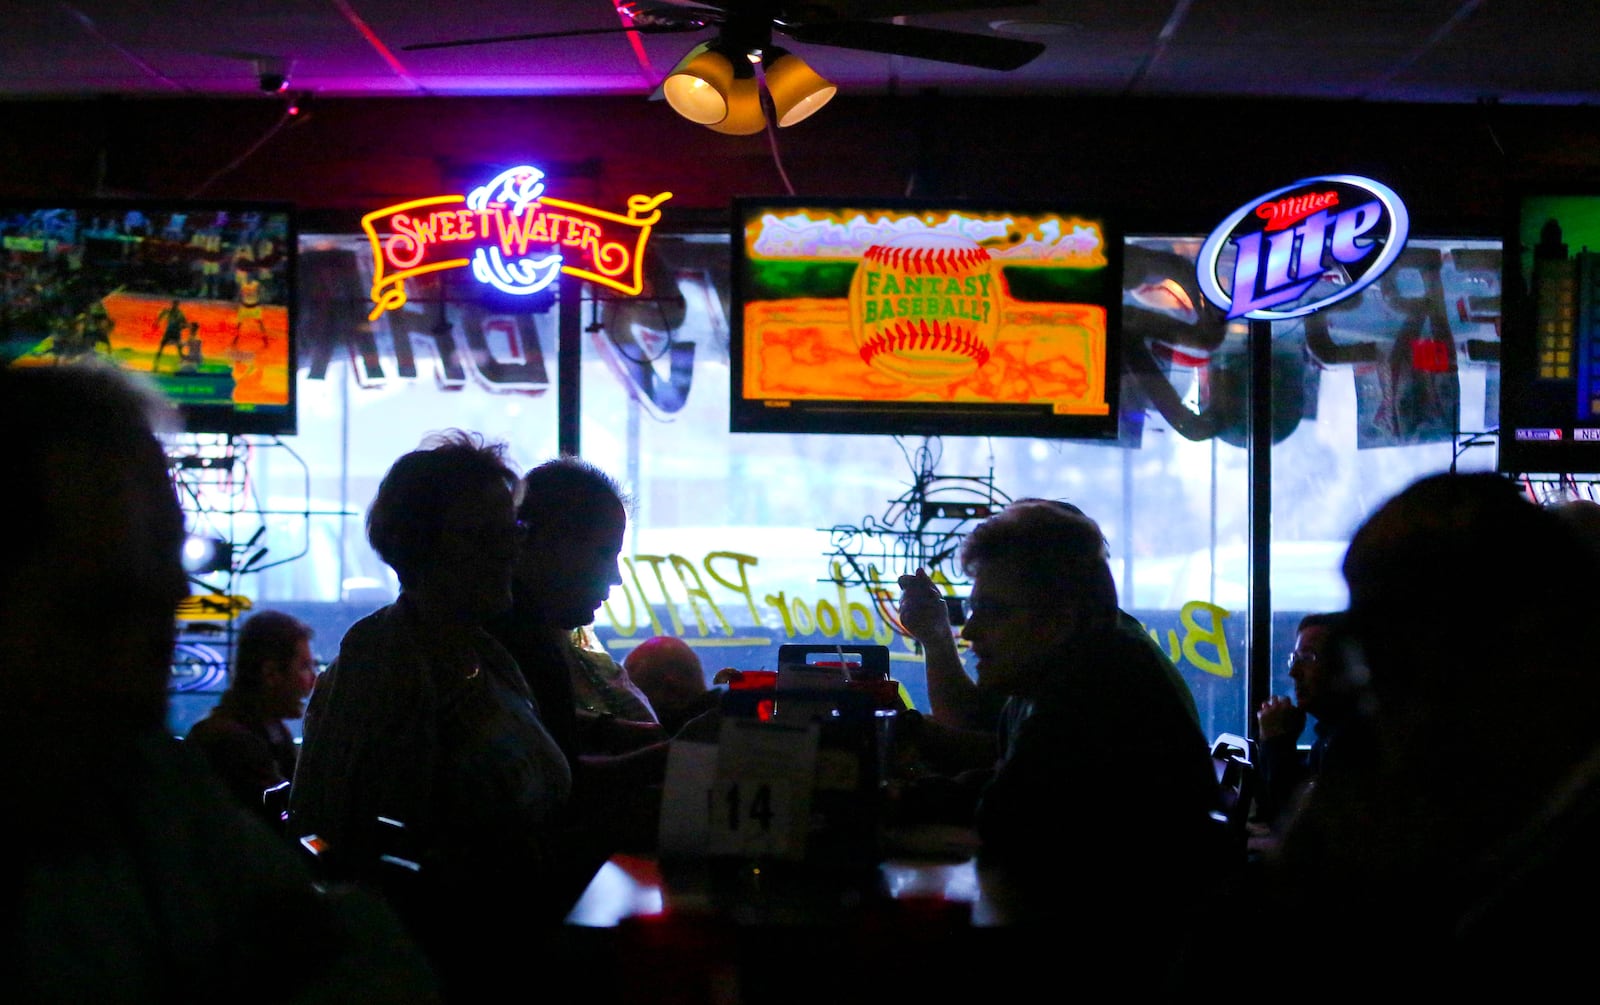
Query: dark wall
<point>1169,163</point>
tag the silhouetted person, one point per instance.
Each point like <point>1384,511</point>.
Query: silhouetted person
<point>1459,865</point>
<point>964,715</point>
<point>1322,690</point>
<point>424,719</point>
<point>670,675</point>
<point>244,738</point>
<point>1097,816</point>
<point>130,875</point>
<point>172,324</point>
<point>573,519</point>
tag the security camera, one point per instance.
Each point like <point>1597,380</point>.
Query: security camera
<point>272,75</point>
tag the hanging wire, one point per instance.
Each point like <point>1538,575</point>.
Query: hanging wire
<point>769,112</point>
<point>284,119</point>
<point>305,514</point>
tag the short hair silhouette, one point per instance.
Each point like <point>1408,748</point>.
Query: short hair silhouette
<point>566,491</point>
<point>406,517</point>
<point>1055,548</point>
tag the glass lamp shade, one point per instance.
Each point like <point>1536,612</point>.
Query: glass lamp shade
<point>698,87</point>
<point>744,109</point>
<point>797,90</point>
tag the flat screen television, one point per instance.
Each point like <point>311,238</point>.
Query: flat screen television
<point>917,318</point>
<point>198,297</point>
<point>1550,342</point>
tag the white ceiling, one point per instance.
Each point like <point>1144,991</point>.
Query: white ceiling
<point>1513,51</point>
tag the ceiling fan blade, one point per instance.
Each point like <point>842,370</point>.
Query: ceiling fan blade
<point>965,48</point>
<point>655,28</point>
<point>868,10</point>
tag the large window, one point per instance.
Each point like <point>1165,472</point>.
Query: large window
<point>740,544</point>
<point>1401,381</point>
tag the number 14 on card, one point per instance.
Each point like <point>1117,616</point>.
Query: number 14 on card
<point>759,803</point>
<point>752,814</point>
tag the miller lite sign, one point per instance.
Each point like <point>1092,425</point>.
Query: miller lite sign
<point>1304,247</point>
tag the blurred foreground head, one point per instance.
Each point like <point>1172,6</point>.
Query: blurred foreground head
<point>1583,516</point>
<point>1470,605</point>
<point>92,580</point>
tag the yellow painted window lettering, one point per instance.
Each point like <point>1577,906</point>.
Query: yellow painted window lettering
<point>780,600</point>
<point>654,562</point>
<point>830,626</point>
<point>1220,661</point>
<point>685,569</point>
<point>649,608</point>
<point>1203,643</point>
<point>741,564</point>
<point>881,597</point>
<point>852,610</point>
<point>804,623</point>
<point>633,613</point>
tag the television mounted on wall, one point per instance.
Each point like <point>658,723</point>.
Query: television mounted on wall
<point>196,297</point>
<point>1550,343</point>
<point>921,318</point>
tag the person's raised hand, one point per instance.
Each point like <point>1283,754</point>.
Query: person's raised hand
<point>922,608</point>
<point>1278,716</point>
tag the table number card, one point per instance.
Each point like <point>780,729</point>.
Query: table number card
<point>749,796</point>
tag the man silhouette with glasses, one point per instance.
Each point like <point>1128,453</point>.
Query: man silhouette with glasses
<point>1323,691</point>
<point>1097,811</point>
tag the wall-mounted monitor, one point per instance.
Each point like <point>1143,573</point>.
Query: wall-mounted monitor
<point>1550,344</point>
<point>869,316</point>
<point>198,297</point>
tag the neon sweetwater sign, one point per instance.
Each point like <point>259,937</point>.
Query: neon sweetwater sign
<point>1302,248</point>
<point>511,235</point>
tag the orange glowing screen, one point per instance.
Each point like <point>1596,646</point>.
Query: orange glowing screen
<point>195,297</point>
<point>911,319</point>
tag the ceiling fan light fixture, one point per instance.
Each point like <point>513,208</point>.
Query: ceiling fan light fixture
<point>698,88</point>
<point>797,90</point>
<point>744,108</point>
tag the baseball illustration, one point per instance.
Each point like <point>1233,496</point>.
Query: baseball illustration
<point>924,307</point>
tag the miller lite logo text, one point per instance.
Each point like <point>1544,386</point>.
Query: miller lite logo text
<point>511,235</point>
<point>1299,249</point>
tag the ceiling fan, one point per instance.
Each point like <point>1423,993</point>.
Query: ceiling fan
<point>749,25</point>
<point>739,81</point>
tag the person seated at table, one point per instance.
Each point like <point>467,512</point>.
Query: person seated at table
<point>965,715</point>
<point>130,874</point>
<point>1323,690</point>
<point>573,518</point>
<point>424,719</point>
<point>1098,808</point>
<point>244,738</point>
<point>1461,870</point>
<point>669,673</point>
